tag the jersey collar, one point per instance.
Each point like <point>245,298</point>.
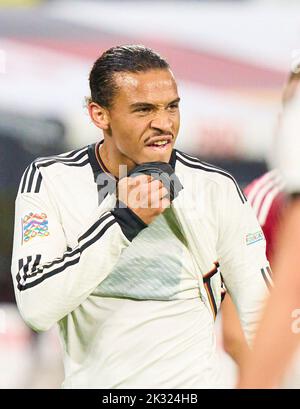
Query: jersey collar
<point>94,160</point>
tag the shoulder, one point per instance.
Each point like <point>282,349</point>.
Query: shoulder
<point>266,193</point>
<point>269,183</point>
<point>33,174</point>
<point>208,172</point>
<point>74,158</point>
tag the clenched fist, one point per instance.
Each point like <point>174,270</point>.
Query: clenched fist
<point>145,196</point>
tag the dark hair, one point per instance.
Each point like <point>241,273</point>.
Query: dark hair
<point>125,58</point>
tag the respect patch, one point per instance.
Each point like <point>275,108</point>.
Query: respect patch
<point>34,225</point>
<point>252,238</point>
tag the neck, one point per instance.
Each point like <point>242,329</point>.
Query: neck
<point>112,158</point>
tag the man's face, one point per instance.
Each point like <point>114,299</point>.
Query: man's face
<point>144,117</point>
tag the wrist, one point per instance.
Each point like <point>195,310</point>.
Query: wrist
<point>130,223</point>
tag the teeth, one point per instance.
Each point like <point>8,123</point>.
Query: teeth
<point>160,143</point>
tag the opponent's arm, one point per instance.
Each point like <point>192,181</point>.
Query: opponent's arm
<point>234,341</point>
<point>279,331</point>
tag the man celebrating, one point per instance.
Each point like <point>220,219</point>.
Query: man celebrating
<point>126,263</point>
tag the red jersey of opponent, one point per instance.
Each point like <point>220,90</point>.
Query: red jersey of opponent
<point>267,198</point>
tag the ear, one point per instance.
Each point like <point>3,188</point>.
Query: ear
<point>99,115</point>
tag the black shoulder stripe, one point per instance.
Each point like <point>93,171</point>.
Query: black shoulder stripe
<point>217,169</point>
<point>32,178</point>
<point>72,153</point>
<point>197,164</point>
<point>32,173</point>
<point>24,179</point>
<point>66,161</point>
<point>38,183</point>
<point>74,164</point>
<point>63,156</point>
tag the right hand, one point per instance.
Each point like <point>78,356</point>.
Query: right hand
<point>144,195</point>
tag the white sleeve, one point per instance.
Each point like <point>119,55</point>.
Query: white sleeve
<point>50,279</point>
<point>242,257</point>
<point>287,151</point>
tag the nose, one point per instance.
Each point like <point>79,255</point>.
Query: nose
<point>162,122</point>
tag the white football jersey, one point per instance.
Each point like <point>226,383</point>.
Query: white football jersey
<point>133,306</point>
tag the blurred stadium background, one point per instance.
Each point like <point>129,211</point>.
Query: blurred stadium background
<point>230,59</point>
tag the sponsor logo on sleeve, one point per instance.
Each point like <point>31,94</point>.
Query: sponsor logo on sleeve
<point>252,238</point>
<point>34,225</point>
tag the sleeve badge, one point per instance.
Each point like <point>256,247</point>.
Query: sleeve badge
<point>34,225</point>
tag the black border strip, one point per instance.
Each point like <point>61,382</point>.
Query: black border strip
<point>262,270</point>
<point>198,165</point>
<point>59,269</point>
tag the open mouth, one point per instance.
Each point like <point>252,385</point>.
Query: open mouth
<point>159,143</point>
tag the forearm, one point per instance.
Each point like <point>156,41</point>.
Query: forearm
<point>273,347</point>
<point>233,337</point>
<point>47,291</point>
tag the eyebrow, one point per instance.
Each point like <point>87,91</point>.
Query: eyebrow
<point>147,104</point>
